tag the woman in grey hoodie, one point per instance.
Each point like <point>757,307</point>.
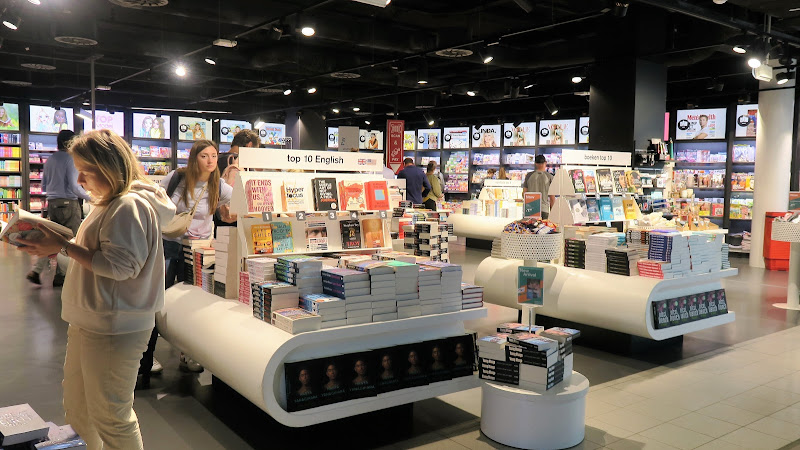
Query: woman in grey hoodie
<point>113,288</point>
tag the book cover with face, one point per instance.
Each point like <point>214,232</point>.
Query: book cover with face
<point>302,386</point>
<point>461,354</point>
<point>361,375</point>
<point>414,366</point>
<point>333,385</point>
<point>388,376</point>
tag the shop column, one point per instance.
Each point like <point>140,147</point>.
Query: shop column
<point>773,160</point>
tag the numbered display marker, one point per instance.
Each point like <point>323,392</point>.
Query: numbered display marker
<point>354,215</point>
<point>332,215</point>
<point>266,216</point>
<point>383,214</point>
<point>300,215</point>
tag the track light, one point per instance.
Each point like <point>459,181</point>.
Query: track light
<point>528,86</point>
<point>180,70</point>
<point>422,72</point>
<point>311,90</point>
<point>551,106</point>
<point>471,93</point>
<point>754,62</point>
<point>428,118</point>
<point>739,49</point>
<point>335,110</point>
<point>308,31</point>
<point>621,8</point>
<point>577,79</point>
<point>210,60</point>
<point>12,24</point>
<point>784,77</point>
<point>287,91</point>
<point>367,122</point>
<point>356,109</point>
<point>486,56</point>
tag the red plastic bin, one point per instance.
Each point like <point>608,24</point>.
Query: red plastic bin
<point>776,253</point>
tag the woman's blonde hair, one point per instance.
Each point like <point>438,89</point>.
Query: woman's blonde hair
<point>191,174</point>
<point>108,152</point>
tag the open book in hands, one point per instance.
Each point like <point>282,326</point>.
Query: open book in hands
<point>23,226</point>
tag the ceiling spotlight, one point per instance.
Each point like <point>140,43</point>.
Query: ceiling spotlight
<point>312,90</point>
<point>103,87</point>
<point>784,77</point>
<point>528,86</point>
<point>486,56</point>
<point>335,110</point>
<point>210,60</point>
<point>428,118</point>
<point>36,2</point>
<point>356,109</point>
<point>720,2</point>
<point>754,62</point>
<point>12,24</point>
<point>621,8</point>
<point>551,106</point>
<point>471,93</point>
<point>367,122</point>
<point>308,31</point>
<point>227,43</point>
<point>216,120</point>
<point>86,103</point>
<point>422,72</point>
<point>577,79</point>
<point>180,70</point>
<point>739,49</point>
<point>287,91</point>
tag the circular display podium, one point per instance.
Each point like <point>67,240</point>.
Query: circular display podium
<point>535,419</point>
<point>532,247</point>
<point>790,232</point>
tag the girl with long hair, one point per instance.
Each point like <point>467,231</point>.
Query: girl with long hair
<point>211,193</point>
<point>60,121</point>
<point>157,131</point>
<point>113,288</point>
<point>147,124</point>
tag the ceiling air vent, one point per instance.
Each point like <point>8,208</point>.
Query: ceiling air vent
<point>76,40</point>
<point>17,83</point>
<point>345,75</point>
<point>36,66</point>
<point>216,100</point>
<point>454,53</point>
<point>136,4</point>
<point>266,90</point>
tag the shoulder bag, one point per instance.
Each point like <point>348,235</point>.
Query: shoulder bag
<point>179,224</point>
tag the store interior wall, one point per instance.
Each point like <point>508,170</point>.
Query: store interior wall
<point>773,160</point>
<point>649,103</point>
<point>312,132</point>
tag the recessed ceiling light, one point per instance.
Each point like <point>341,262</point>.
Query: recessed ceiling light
<point>367,122</point>
<point>180,70</point>
<point>312,90</point>
<point>12,24</point>
<point>335,110</point>
<point>739,49</point>
<point>308,31</point>
<point>287,91</point>
<point>577,79</point>
<point>211,61</point>
<point>35,2</point>
<point>487,59</point>
<point>528,86</point>
<point>356,109</point>
<point>471,93</point>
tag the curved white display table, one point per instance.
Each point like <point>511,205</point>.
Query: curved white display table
<point>478,227</point>
<point>790,232</point>
<point>603,300</point>
<point>540,419</point>
<point>248,354</point>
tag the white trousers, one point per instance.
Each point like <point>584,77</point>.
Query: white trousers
<point>99,379</point>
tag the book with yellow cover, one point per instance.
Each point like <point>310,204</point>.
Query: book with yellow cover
<point>262,239</point>
<point>631,208</point>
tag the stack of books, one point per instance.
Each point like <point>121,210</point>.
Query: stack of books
<point>596,246</point>
<point>516,327</point>
<point>395,256</point>
<point>302,271</point>
<point>426,238</point>
<point>227,257</point>
<point>332,309</point>
<point>725,256</point>
<point>575,253</point>
<point>445,231</point>
<point>296,320</point>
<point>270,296</point>
<point>538,359</point>
<point>668,256</point>
<point>203,268</point>
<point>704,253</point>
<point>261,269</point>
<point>189,246</point>
<point>245,290</point>
<point>430,289</point>
<point>497,248</point>
<point>471,296</point>
<point>564,337</point>
<point>208,281</point>
<point>382,289</point>
<point>406,293</point>
<point>354,287</point>
<point>623,261</point>
<point>451,284</point>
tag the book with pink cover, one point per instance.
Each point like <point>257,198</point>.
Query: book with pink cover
<point>23,226</point>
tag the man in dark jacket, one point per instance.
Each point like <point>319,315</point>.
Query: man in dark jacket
<point>416,181</point>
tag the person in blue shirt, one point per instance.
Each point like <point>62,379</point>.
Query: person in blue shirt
<point>417,183</point>
<point>60,182</point>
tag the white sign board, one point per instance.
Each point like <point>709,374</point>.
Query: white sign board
<point>487,136</point>
<point>557,132</point>
<point>746,117</point>
<point>501,183</point>
<point>583,130</point>
<point>280,159</point>
<point>456,137</point>
<point>522,135</point>
<point>595,157</point>
<point>700,124</point>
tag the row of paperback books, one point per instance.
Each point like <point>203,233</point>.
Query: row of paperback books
<point>606,181</point>
<point>527,355</point>
<point>22,428</point>
<point>317,194</point>
<point>688,308</point>
<point>591,209</point>
<point>279,237</point>
<point>374,372</point>
<point>429,239</point>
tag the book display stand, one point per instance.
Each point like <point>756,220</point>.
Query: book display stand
<point>250,355</point>
<point>790,232</point>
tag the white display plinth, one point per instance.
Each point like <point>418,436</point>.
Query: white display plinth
<point>478,227</point>
<point>603,300</point>
<point>249,354</point>
<point>790,232</point>
<point>541,419</point>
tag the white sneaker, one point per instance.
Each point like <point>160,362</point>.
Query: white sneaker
<point>190,364</point>
<point>157,367</point>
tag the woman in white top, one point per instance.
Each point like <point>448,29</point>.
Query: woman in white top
<point>211,193</point>
<point>112,290</point>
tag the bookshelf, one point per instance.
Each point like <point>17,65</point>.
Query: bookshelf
<point>11,173</point>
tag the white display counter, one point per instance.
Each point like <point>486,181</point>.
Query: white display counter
<point>478,227</point>
<point>599,299</point>
<point>249,354</point>
<point>790,232</point>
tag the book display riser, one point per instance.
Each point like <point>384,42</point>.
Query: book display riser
<point>614,302</point>
<point>249,355</point>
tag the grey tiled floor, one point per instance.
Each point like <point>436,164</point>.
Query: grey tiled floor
<point>735,386</point>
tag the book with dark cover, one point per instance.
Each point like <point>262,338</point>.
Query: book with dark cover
<point>702,305</point>
<point>377,195</point>
<point>674,314</point>
<point>387,373</point>
<point>660,314</point>
<point>414,365</point>
<point>592,209</point>
<point>620,181</point>
<point>436,353</point>
<point>605,183</point>
<point>461,354</point>
<point>722,302</point>
<point>533,342</point>
<point>577,181</point>
<point>694,310</point>
<point>302,385</point>
<point>20,424</point>
<point>683,308</point>
<point>712,303</point>
<point>351,234</point>
<point>332,379</point>
<point>326,195</point>
<point>361,379</point>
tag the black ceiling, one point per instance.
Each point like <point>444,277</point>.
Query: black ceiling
<point>385,48</point>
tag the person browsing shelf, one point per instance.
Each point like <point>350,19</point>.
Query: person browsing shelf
<point>539,181</point>
<point>417,183</point>
<point>112,291</point>
<point>211,193</point>
<point>60,183</point>
<point>502,175</point>
<point>244,138</point>
<point>435,193</point>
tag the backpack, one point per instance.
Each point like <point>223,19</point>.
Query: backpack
<point>229,174</point>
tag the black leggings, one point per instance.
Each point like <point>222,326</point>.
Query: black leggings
<point>430,204</point>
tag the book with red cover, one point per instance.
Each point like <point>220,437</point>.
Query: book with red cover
<point>351,196</point>
<point>377,194</point>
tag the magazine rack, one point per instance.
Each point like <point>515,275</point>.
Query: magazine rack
<point>249,354</point>
<point>790,232</point>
